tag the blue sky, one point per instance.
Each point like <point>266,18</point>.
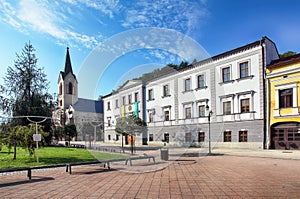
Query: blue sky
<point>115,40</point>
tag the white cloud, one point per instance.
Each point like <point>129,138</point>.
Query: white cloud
<point>39,17</point>
<point>65,20</point>
<point>183,16</point>
<point>8,12</point>
<point>107,7</point>
<point>47,18</point>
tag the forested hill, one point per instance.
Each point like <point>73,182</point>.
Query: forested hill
<point>162,71</point>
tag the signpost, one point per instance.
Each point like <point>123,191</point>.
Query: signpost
<point>37,138</point>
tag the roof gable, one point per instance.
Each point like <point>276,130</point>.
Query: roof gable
<point>130,84</point>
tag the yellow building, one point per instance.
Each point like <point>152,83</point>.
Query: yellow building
<point>283,100</point>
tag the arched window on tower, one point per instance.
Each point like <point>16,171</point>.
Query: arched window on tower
<point>60,89</point>
<point>70,88</point>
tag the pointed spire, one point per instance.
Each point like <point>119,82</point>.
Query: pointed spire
<point>68,65</point>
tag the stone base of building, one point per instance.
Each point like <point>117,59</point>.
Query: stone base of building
<point>237,134</point>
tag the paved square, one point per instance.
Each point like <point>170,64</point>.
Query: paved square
<point>220,176</point>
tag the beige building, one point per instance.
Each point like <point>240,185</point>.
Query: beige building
<point>85,114</point>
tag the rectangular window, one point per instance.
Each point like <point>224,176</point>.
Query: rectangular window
<point>245,105</point>
<point>188,137</point>
<point>136,97</point>
<point>124,100</point>
<point>201,136</point>
<point>117,103</point>
<point>297,135</point>
<point>108,106</point>
<point>278,134</point>
<point>166,91</point>
<point>290,134</point>
<point>244,70</point>
<point>286,98</point>
<point>150,117</point>
<point>243,136</point>
<point>201,83</point>
<point>166,137</point>
<point>129,99</point>
<point>150,94</point>
<point>167,115</point>
<point>226,74</point>
<point>187,84</point>
<point>227,136</point>
<point>188,113</point>
<point>202,111</point>
<point>108,121</point>
<point>151,138</point>
<point>227,108</point>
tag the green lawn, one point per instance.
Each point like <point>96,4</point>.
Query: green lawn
<point>50,156</point>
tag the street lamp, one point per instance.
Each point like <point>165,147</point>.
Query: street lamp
<point>208,116</point>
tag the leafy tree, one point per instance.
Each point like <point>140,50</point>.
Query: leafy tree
<point>183,65</point>
<point>70,131</point>
<point>58,132</point>
<point>287,54</point>
<point>24,91</point>
<point>130,125</point>
<point>21,136</point>
<point>169,68</point>
<point>4,129</point>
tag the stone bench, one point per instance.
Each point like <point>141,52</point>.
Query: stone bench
<point>107,162</point>
<point>139,158</point>
<point>96,162</point>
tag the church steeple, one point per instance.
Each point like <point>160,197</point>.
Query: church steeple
<point>68,65</point>
<point>67,85</point>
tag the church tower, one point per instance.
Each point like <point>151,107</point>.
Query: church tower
<point>67,85</point>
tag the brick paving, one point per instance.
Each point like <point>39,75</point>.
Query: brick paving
<point>221,176</point>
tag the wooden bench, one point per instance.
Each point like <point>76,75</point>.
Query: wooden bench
<point>29,169</point>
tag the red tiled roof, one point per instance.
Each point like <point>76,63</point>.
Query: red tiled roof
<point>284,60</point>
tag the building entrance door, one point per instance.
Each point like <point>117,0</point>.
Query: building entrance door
<point>285,136</point>
<point>129,139</point>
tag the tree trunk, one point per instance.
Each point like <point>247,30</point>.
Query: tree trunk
<point>131,144</point>
<point>15,151</point>
<point>122,142</point>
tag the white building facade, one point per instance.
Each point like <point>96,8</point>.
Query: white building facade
<point>231,85</point>
<point>127,100</point>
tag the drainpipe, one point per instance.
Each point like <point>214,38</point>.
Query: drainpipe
<point>262,43</point>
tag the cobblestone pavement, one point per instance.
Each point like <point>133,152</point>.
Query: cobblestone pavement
<point>218,176</point>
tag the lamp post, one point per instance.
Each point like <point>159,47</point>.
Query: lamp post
<point>208,116</point>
